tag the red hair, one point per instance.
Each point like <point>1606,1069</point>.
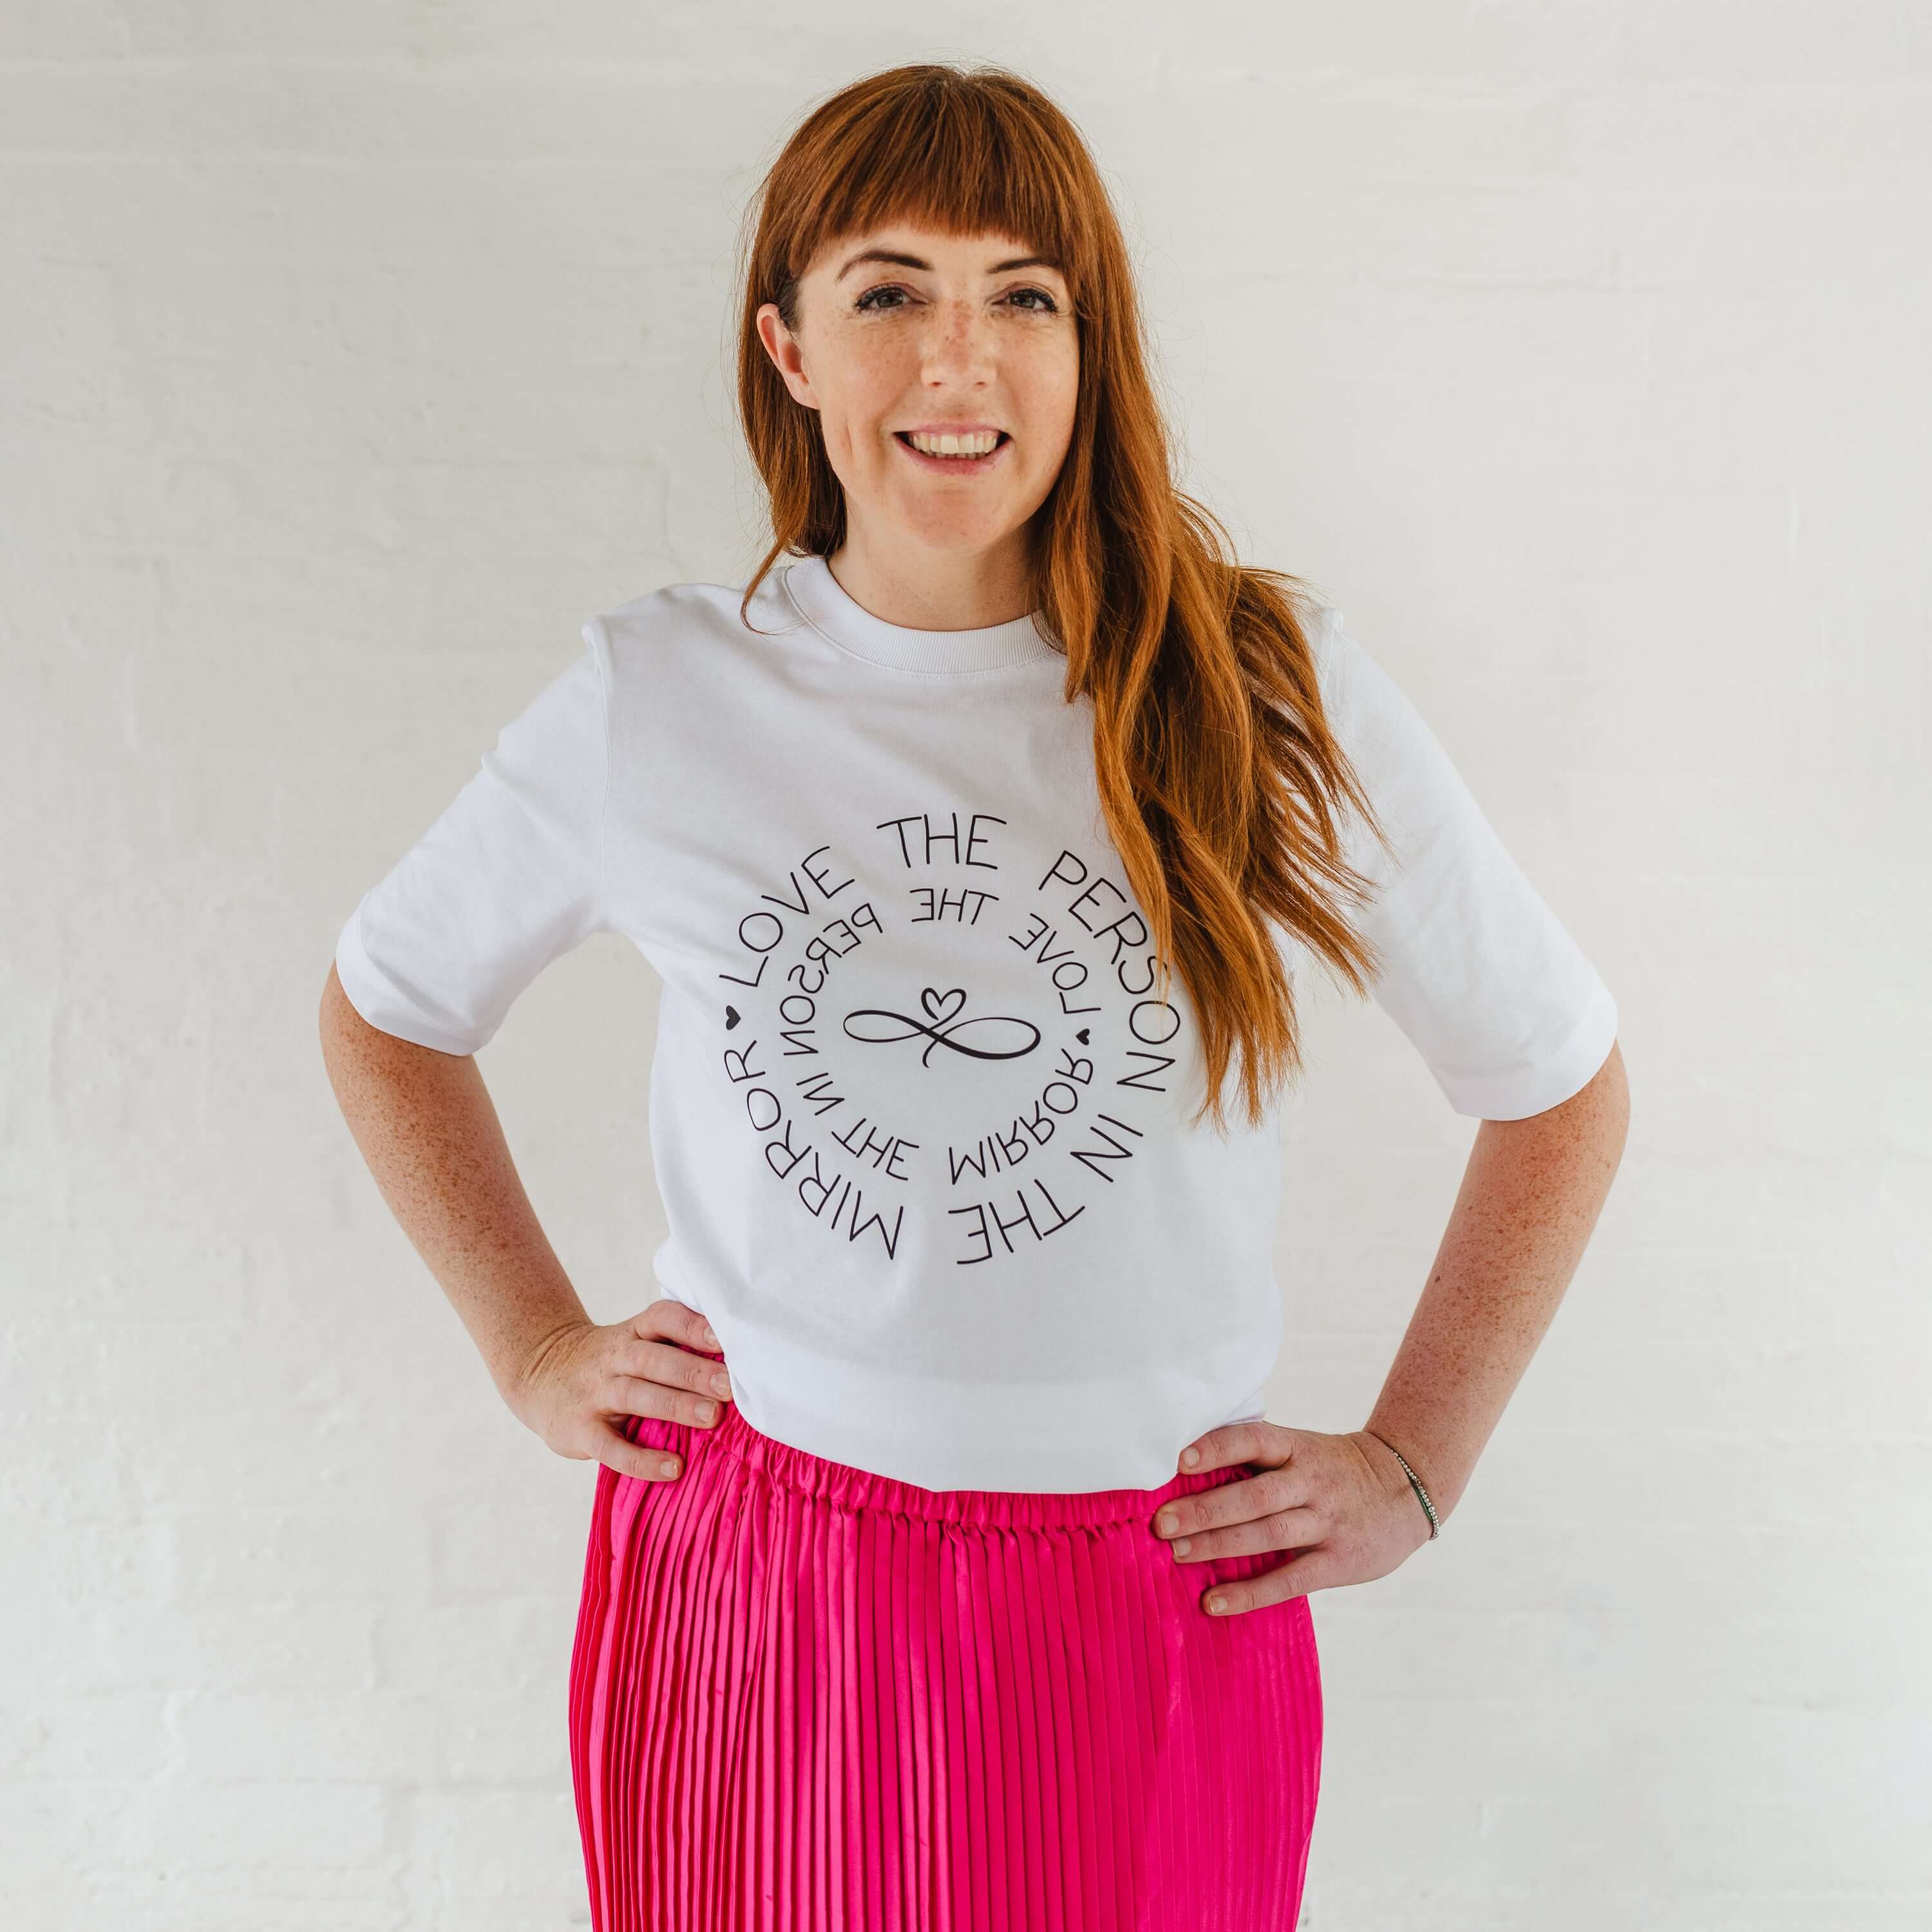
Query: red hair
<point>1222,787</point>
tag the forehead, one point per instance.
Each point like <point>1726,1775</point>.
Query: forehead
<point>905,244</point>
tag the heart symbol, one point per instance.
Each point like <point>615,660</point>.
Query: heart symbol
<point>1082,1035</point>
<point>732,1016</point>
<point>940,1007</point>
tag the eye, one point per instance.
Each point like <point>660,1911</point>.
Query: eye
<point>864,304</point>
<point>1052,308</point>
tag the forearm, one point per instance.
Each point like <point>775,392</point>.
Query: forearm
<point>1529,1200</point>
<point>427,1128</point>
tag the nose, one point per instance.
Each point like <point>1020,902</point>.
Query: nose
<point>958,350</point>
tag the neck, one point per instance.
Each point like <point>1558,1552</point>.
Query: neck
<point>925,589</point>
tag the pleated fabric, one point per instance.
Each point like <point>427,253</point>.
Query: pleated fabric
<point>804,1696</point>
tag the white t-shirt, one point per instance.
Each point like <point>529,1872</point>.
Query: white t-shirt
<point>919,1114</point>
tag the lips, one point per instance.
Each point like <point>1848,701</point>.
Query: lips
<point>967,465</point>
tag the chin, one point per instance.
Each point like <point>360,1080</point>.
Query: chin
<point>938,532</point>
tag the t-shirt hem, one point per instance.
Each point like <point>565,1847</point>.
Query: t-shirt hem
<point>364,985</point>
<point>1122,1433</point>
<point>1554,1079</point>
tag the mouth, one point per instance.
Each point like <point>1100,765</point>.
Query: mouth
<point>956,465</point>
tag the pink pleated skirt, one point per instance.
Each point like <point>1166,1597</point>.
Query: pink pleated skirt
<point>807,1698</point>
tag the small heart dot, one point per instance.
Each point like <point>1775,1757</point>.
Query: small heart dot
<point>732,1016</point>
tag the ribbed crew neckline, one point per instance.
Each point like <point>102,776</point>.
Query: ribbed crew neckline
<point>831,610</point>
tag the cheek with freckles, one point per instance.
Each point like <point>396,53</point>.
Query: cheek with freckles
<point>869,381</point>
<point>1044,426</point>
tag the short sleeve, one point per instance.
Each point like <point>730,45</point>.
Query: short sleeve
<point>1491,989</point>
<point>509,878</point>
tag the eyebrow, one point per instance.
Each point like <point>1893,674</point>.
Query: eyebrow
<point>895,259</point>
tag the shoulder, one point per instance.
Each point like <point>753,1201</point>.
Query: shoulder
<point>663,623</point>
<point>1359,691</point>
<point>1331,643</point>
<point>685,657</point>
<point>1357,694</point>
<point>1389,743</point>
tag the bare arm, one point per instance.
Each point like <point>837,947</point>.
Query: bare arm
<point>1342,1505</point>
<point>1529,1200</point>
<point>427,1128</point>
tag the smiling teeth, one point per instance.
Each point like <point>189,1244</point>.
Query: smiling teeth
<point>982,443</point>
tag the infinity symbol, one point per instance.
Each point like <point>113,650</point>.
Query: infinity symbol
<point>940,1007</point>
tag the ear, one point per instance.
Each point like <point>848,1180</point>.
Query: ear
<point>788,358</point>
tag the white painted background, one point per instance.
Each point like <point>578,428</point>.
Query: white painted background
<point>351,355</point>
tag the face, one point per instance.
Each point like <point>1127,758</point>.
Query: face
<point>906,336</point>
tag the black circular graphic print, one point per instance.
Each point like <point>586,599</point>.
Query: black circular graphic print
<point>925,1024</point>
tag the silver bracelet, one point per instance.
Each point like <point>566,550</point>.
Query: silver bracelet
<point>1414,1482</point>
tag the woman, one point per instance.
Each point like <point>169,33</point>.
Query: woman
<point>974,845</point>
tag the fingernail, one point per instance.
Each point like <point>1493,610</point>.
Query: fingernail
<point>667,1468</point>
<point>721,1382</point>
<point>1217,1604</point>
<point>1184,1545</point>
<point>1188,1457</point>
<point>1167,1523</point>
<point>711,1335</point>
<point>706,1410</point>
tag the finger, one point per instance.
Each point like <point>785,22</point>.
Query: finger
<point>677,1368</point>
<point>641,1395</point>
<point>1251,1441</point>
<point>1294,1529</point>
<point>672,1321</point>
<point>1295,1578</point>
<point>1225,1503</point>
<point>639,1459</point>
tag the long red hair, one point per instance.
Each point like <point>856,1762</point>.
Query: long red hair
<point>1223,789</point>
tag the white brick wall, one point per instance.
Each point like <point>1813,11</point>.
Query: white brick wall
<point>350,355</point>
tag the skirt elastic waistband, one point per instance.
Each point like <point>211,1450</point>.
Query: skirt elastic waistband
<point>845,1487</point>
